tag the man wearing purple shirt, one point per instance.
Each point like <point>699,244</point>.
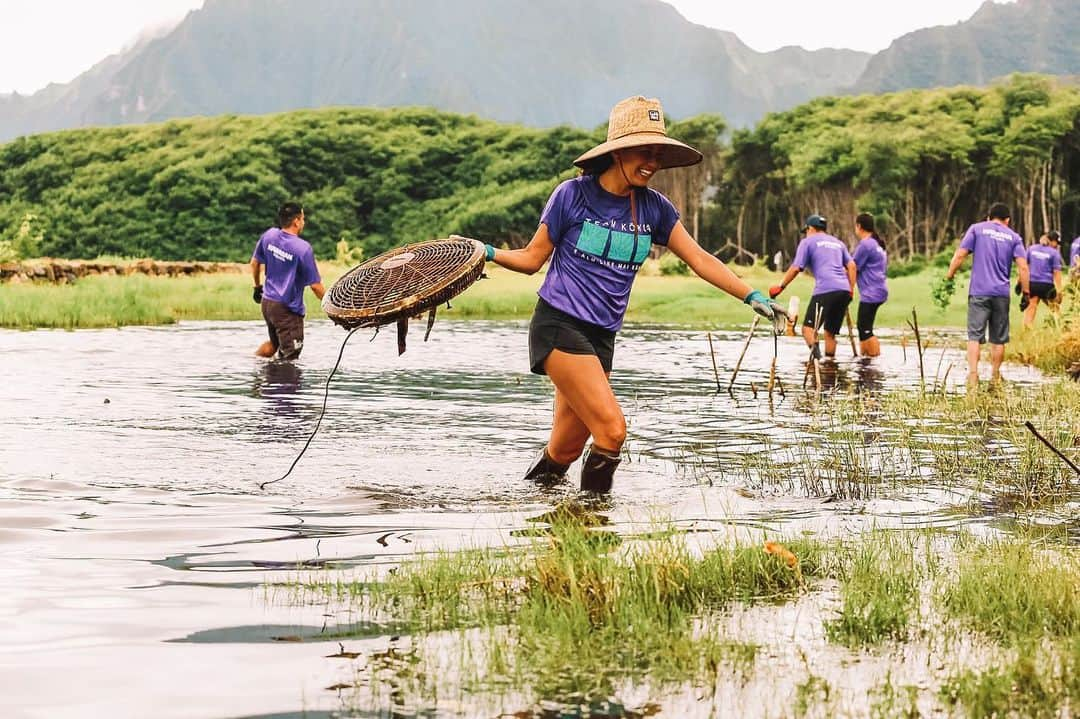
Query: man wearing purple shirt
<point>995,247</point>
<point>828,259</point>
<point>290,267</point>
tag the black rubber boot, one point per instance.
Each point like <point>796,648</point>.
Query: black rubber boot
<point>545,470</point>
<point>598,469</point>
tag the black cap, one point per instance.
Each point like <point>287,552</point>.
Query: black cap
<point>817,222</point>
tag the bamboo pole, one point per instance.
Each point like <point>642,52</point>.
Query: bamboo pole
<point>913,323</point>
<point>851,334</point>
<point>712,353</point>
<point>746,345</point>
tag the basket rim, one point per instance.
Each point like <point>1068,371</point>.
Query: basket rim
<point>404,305</point>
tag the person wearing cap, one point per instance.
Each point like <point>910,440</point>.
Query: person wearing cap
<point>828,259</point>
<point>995,247</point>
<point>1044,266</point>
<point>871,264</point>
<point>597,229</point>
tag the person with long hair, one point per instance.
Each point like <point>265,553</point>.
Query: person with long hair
<point>1044,264</point>
<point>871,262</point>
<point>597,229</point>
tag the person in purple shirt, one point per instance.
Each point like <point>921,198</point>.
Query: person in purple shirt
<point>597,229</point>
<point>290,267</point>
<point>829,261</point>
<point>1074,256</point>
<point>995,247</point>
<point>871,263</point>
<point>1044,267</point>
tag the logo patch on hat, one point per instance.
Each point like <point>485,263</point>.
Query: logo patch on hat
<point>654,115</point>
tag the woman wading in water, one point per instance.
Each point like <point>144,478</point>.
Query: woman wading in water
<point>597,230</point>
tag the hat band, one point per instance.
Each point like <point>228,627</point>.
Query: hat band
<point>636,132</point>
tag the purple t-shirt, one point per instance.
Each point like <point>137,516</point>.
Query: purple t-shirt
<point>870,263</point>
<point>1043,261</point>
<point>596,255</point>
<point>1074,252</point>
<point>826,258</point>
<point>995,247</point>
<point>290,267</point>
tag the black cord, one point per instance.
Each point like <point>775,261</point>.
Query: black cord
<point>326,396</point>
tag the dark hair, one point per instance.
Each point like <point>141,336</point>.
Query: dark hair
<point>1054,236</point>
<point>597,165</point>
<point>288,212</point>
<point>866,221</point>
<point>999,211</point>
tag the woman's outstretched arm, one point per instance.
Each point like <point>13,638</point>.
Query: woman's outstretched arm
<point>705,265</point>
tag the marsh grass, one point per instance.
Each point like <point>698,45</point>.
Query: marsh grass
<point>1041,682</point>
<point>569,616</point>
<point>114,301</point>
<point>1014,592</point>
<point>879,592</point>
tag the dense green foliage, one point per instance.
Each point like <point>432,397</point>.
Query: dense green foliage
<point>206,188</point>
<point>926,162</point>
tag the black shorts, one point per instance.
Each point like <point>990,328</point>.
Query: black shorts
<point>1043,290</point>
<point>553,329</point>
<point>865,321</point>
<point>833,308</point>
<point>286,329</point>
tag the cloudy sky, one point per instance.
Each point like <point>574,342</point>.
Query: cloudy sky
<point>55,40</point>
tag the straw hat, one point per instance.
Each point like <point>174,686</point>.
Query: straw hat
<point>638,121</point>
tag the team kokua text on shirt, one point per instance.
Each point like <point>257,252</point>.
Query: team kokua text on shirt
<point>290,267</point>
<point>1043,261</point>
<point>994,247</point>
<point>599,248</point>
<point>826,258</point>
<point>871,263</point>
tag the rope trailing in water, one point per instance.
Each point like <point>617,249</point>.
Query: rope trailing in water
<point>326,396</point>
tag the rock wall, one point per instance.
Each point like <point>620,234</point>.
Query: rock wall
<point>65,271</point>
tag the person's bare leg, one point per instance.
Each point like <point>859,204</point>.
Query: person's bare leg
<point>997,354</point>
<point>568,433</point>
<point>870,347</point>
<point>830,344</point>
<point>809,335</point>
<point>266,349</point>
<point>1029,313</point>
<point>973,351</point>
<point>585,388</point>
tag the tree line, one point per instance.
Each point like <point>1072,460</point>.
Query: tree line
<point>926,162</point>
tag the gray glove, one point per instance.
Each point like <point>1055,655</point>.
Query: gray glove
<point>768,309</point>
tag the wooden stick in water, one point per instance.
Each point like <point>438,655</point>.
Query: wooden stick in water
<point>1055,450</point>
<point>851,334</point>
<point>913,323</point>
<point>712,353</point>
<point>746,345</point>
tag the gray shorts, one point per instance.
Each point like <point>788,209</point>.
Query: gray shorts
<point>986,312</point>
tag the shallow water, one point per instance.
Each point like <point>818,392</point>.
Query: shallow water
<point>136,544</point>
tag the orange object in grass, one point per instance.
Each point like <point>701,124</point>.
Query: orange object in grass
<point>783,552</point>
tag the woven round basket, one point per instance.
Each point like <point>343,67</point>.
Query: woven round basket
<point>403,283</point>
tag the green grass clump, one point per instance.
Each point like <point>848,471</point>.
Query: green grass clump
<point>1014,592</point>
<point>878,591</point>
<point>571,615</point>
<point>1037,683</point>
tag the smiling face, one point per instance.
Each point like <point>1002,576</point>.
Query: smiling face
<point>639,164</point>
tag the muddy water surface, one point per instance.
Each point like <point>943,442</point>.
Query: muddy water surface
<point>135,545</point>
